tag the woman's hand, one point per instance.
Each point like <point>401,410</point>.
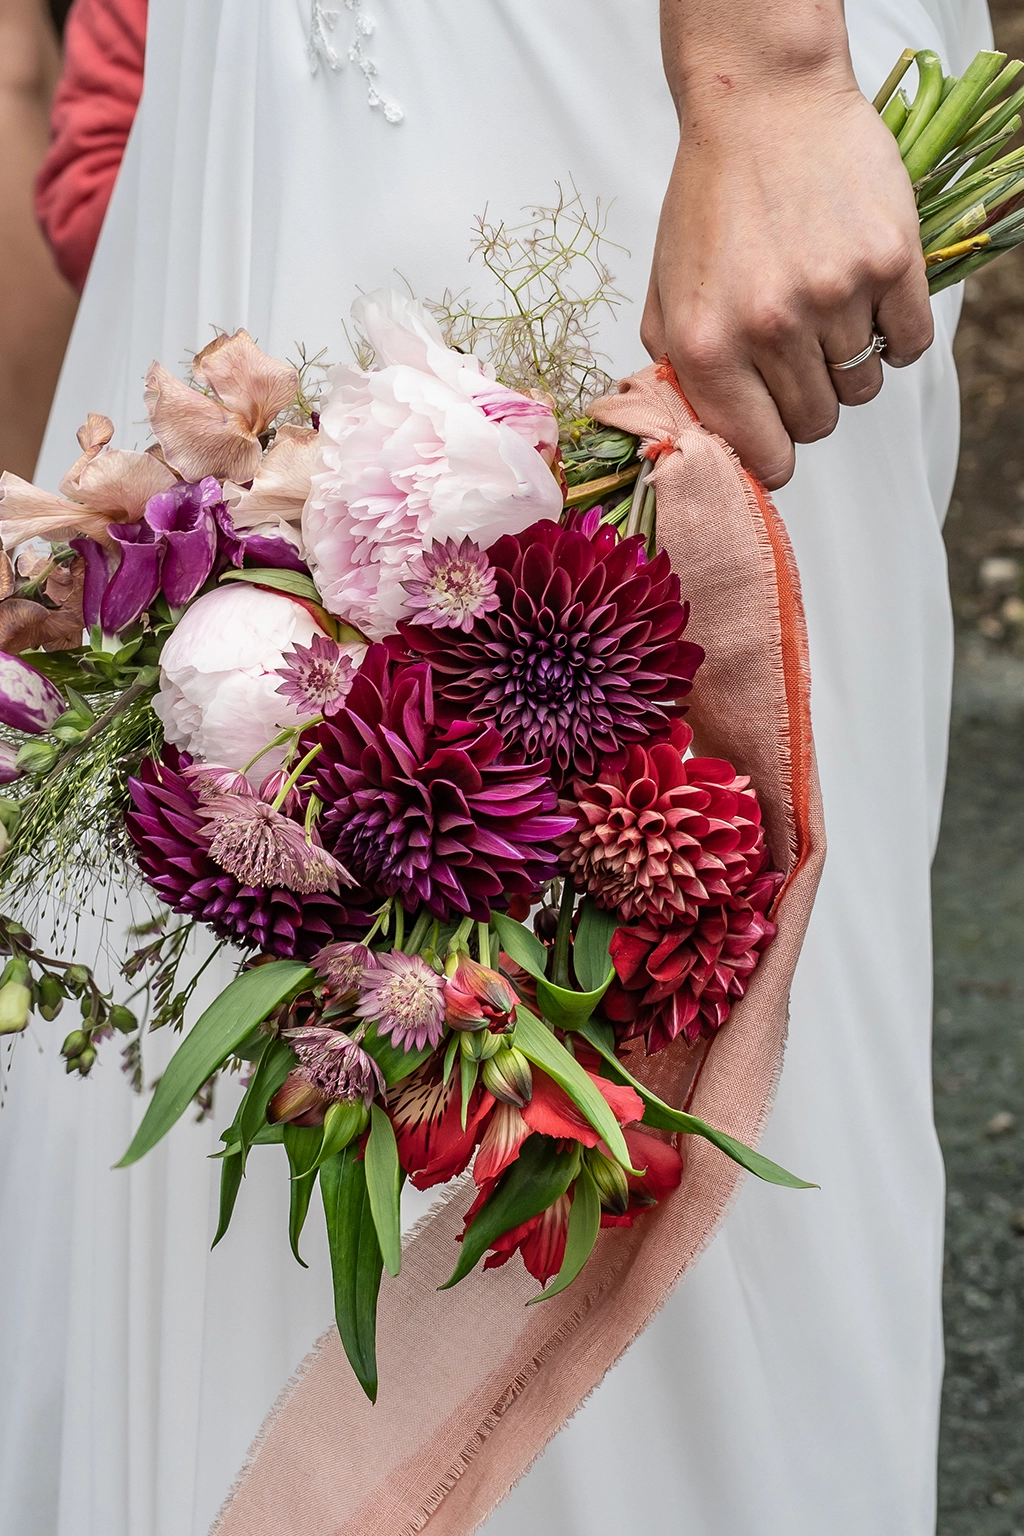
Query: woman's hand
<point>788,233</point>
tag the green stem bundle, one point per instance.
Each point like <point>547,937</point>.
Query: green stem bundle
<point>970,198</point>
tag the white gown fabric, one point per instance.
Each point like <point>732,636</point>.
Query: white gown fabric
<point>790,1387</point>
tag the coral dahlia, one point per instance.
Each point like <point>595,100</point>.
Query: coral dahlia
<point>172,843</point>
<point>582,656</point>
<point>665,834</point>
<point>684,979</point>
<point>428,811</point>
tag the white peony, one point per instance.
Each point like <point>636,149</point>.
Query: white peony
<point>422,447</point>
<point>218,697</point>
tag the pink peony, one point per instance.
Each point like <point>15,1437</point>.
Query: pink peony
<point>421,448</point>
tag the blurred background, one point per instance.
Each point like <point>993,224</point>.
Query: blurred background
<point>979,871</point>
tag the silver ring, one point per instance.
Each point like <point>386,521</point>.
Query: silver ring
<point>876,344</point>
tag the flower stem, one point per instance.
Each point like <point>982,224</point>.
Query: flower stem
<point>563,935</point>
<point>141,686</point>
<point>419,932</point>
<point>289,784</point>
<point>399,941</point>
<point>483,942</point>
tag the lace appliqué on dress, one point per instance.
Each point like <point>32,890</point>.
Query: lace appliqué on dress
<point>321,50</point>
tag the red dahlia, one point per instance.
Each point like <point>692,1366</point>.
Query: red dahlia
<point>428,811</point>
<point>172,843</point>
<point>582,656</point>
<point>665,835</point>
<point>683,980</point>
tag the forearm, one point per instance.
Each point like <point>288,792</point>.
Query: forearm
<point>717,49</point>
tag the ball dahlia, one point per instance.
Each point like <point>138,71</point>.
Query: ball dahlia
<point>430,812</point>
<point>582,656</point>
<point>172,843</point>
<point>665,834</point>
<point>684,979</point>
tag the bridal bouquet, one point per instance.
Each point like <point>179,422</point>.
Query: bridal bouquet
<point>391,697</point>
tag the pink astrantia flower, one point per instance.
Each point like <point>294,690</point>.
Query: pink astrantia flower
<point>451,585</point>
<point>405,998</point>
<point>342,965</point>
<point>316,677</point>
<point>261,847</point>
<point>336,1064</point>
<point>421,448</point>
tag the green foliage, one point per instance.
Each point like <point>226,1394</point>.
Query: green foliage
<point>540,1175</point>
<point>356,1261</point>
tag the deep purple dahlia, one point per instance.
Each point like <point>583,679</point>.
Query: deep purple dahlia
<point>583,655</point>
<point>425,810</point>
<point>172,841</point>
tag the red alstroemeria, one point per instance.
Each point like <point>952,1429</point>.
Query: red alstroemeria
<point>506,1131</point>
<point>663,1170</point>
<point>427,1116</point>
<point>541,1240</point>
<point>553,1113</point>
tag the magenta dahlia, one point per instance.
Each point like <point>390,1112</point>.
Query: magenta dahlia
<point>665,834</point>
<point>683,980</point>
<point>427,811</point>
<point>172,843</point>
<point>582,656</point>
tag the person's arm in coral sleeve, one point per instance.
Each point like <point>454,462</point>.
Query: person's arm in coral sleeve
<point>36,305</point>
<point>93,111</point>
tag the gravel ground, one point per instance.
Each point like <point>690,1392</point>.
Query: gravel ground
<point>979,918</point>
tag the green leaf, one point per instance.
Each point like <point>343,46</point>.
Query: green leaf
<point>584,1225</point>
<point>567,1009</point>
<point>295,583</point>
<point>394,1062</point>
<point>302,1143</point>
<point>661,1115</point>
<point>541,1047</point>
<point>356,1262</point>
<point>469,1072</point>
<point>384,1187</point>
<point>231,1172</point>
<point>273,1067</point>
<point>590,957</point>
<point>520,944</point>
<point>226,1023</point>
<point>537,1178</point>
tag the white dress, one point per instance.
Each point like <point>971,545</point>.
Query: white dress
<point>790,1387</point>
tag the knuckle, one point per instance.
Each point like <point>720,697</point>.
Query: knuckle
<point>702,351</point>
<point>822,424</point>
<point>773,324</point>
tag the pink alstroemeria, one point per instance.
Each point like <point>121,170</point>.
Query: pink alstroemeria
<point>105,486</point>
<point>218,433</point>
<point>476,997</point>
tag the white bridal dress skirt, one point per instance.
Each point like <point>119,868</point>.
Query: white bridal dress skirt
<point>790,1387</point>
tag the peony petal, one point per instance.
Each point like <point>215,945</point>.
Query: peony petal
<point>282,481</point>
<point>256,387</point>
<point>198,435</point>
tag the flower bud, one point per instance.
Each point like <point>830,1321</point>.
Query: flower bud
<point>51,996</point>
<point>16,969</point>
<point>343,1122</point>
<point>477,997</point>
<point>77,977</point>
<point>9,770</point>
<point>295,1098</point>
<point>479,1044</point>
<point>5,840</point>
<point>75,1044</point>
<point>122,1019</point>
<point>36,757</point>
<point>610,1179</point>
<point>28,700</point>
<point>507,1074</point>
<point>15,1002</point>
<point>545,924</point>
<point>10,814</point>
<point>85,1060</point>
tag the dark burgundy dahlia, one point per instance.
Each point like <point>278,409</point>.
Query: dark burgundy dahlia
<point>683,980</point>
<point>172,841</point>
<point>582,656</point>
<point>427,810</point>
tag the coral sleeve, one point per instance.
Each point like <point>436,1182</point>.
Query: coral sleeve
<point>92,114</point>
